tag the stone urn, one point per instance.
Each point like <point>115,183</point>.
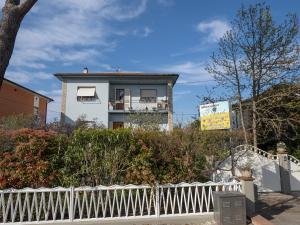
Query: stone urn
<point>281,148</point>
<point>246,172</point>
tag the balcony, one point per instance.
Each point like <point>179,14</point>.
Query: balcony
<point>138,106</point>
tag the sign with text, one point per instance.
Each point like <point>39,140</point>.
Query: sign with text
<point>215,116</point>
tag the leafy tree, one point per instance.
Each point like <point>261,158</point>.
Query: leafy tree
<point>279,114</point>
<point>13,13</point>
<point>254,55</point>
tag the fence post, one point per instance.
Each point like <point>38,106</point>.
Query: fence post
<point>284,169</point>
<point>71,209</point>
<point>157,207</point>
<point>248,189</point>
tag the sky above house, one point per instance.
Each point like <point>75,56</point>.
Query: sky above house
<point>132,35</point>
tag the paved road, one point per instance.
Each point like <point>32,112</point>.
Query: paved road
<point>280,209</point>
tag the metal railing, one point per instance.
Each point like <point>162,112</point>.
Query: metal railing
<point>244,148</point>
<point>254,149</point>
<point>46,205</point>
<point>139,106</point>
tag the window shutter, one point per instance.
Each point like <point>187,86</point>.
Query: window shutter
<point>86,91</point>
<point>127,99</point>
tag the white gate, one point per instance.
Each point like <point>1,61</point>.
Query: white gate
<point>46,205</point>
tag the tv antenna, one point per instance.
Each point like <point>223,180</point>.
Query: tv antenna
<point>116,68</point>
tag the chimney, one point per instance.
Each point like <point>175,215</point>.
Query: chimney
<point>85,70</point>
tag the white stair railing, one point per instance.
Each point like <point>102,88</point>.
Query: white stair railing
<point>256,150</point>
<point>294,160</point>
<point>46,205</point>
<point>245,148</point>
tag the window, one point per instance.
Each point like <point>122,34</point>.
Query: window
<point>120,95</point>
<point>35,111</point>
<point>148,95</point>
<point>86,94</point>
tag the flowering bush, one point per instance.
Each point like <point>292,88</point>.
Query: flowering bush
<point>29,158</point>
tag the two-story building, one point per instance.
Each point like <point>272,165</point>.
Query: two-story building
<point>16,99</point>
<point>110,98</point>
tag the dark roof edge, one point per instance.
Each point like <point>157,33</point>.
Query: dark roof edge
<point>116,74</point>
<point>27,89</point>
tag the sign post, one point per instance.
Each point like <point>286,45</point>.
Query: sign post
<point>217,116</point>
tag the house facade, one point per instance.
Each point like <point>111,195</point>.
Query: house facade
<point>112,98</point>
<point>16,99</point>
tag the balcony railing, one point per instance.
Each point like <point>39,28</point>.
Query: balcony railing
<point>141,106</point>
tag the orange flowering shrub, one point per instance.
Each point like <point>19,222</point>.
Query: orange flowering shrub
<point>29,158</point>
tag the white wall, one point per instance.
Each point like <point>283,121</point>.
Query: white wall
<point>265,171</point>
<point>97,110</point>
<point>295,176</point>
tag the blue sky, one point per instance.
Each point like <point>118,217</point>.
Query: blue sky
<point>135,35</point>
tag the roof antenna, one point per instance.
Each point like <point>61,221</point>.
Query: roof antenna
<point>85,70</point>
<point>116,68</point>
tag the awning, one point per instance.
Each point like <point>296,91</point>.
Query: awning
<point>86,91</point>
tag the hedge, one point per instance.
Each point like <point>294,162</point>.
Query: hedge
<point>35,158</point>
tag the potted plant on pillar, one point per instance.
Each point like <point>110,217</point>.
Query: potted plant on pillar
<point>281,148</point>
<point>246,169</point>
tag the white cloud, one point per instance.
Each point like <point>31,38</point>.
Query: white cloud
<point>70,32</point>
<point>145,32</point>
<point>166,3</point>
<point>179,94</point>
<point>24,77</point>
<point>190,72</point>
<point>215,29</point>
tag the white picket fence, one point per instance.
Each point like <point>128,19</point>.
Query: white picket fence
<point>49,205</point>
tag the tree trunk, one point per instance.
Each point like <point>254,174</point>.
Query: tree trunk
<point>242,121</point>
<point>232,162</point>
<point>12,15</point>
<point>254,122</point>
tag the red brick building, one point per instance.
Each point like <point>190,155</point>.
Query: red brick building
<point>17,99</point>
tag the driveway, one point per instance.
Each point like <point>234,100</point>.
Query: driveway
<point>279,208</point>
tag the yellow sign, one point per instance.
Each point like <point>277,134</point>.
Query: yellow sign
<point>215,116</point>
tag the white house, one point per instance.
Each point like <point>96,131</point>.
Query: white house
<point>110,97</point>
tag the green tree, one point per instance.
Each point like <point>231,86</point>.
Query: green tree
<point>145,120</point>
<point>256,54</point>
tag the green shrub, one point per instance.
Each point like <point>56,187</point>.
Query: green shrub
<point>19,121</point>
<point>97,156</point>
<point>183,155</point>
